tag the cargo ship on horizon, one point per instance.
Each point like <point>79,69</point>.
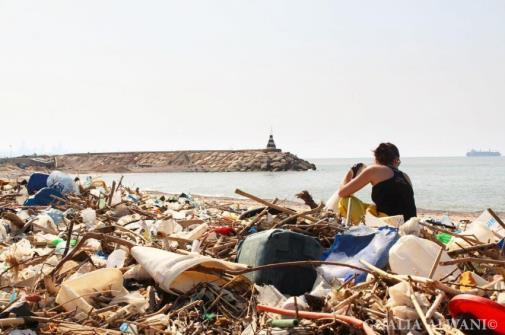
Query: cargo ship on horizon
<point>481,153</point>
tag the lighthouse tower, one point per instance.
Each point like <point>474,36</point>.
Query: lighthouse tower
<point>271,143</point>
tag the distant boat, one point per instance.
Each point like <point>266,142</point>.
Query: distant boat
<point>481,153</point>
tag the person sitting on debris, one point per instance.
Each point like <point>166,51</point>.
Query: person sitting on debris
<point>392,191</point>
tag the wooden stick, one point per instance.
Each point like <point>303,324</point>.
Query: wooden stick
<point>463,237</point>
<point>109,202</point>
<point>471,249</point>
<point>438,300</point>
<point>297,263</point>
<point>271,205</point>
<point>496,217</point>
<point>435,264</point>
<point>69,237</point>
<point>420,312</point>
<point>474,260</point>
<point>295,216</point>
<point>87,236</point>
<point>349,209</point>
<point>256,219</point>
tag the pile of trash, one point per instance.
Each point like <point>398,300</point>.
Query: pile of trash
<point>84,257</point>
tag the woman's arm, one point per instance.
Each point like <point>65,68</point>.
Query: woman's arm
<point>350,186</point>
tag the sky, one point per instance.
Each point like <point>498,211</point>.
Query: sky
<point>331,78</point>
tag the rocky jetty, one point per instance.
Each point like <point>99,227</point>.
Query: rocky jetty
<point>196,161</point>
<point>175,161</point>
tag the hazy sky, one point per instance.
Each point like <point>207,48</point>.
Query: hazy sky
<point>333,78</point>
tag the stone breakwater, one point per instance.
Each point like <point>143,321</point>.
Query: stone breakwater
<point>170,161</point>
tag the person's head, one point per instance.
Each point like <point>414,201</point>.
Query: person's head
<point>387,154</point>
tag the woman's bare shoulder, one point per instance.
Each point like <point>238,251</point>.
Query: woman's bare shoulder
<point>379,173</point>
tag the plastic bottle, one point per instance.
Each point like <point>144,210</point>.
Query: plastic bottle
<point>444,237</point>
<point>415,256</point>
<point>117,258</point>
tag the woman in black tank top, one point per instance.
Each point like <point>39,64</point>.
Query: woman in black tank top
<point>392,190</point>
<point>395,196</point>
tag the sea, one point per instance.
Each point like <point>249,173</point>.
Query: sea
<point>440,183</point>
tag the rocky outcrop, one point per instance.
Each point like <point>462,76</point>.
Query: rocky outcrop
<point>182,161</point>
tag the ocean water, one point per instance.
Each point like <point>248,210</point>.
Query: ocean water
<point>448,183</point>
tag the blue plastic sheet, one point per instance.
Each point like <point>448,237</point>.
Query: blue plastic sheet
<point>359,242</point>
<point>43,197</point>
<point>36,182</point>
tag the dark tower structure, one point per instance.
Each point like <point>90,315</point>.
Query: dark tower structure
<point>271,143</point>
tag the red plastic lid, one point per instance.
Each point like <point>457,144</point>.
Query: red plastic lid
<point>490,312</point>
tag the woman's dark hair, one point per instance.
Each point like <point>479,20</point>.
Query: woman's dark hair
<point>386,153</point>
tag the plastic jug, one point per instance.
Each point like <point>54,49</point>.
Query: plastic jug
<point>413,255</point>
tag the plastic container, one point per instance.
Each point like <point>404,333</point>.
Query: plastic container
<point>485,228</point>
<point>277,246</point>
<point>75,293</point>
<point>413,255</point>
<point>491,313</point>
<point>62,182</point>
<point>117,258</point>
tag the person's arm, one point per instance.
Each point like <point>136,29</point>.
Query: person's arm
<point>350,186</point>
